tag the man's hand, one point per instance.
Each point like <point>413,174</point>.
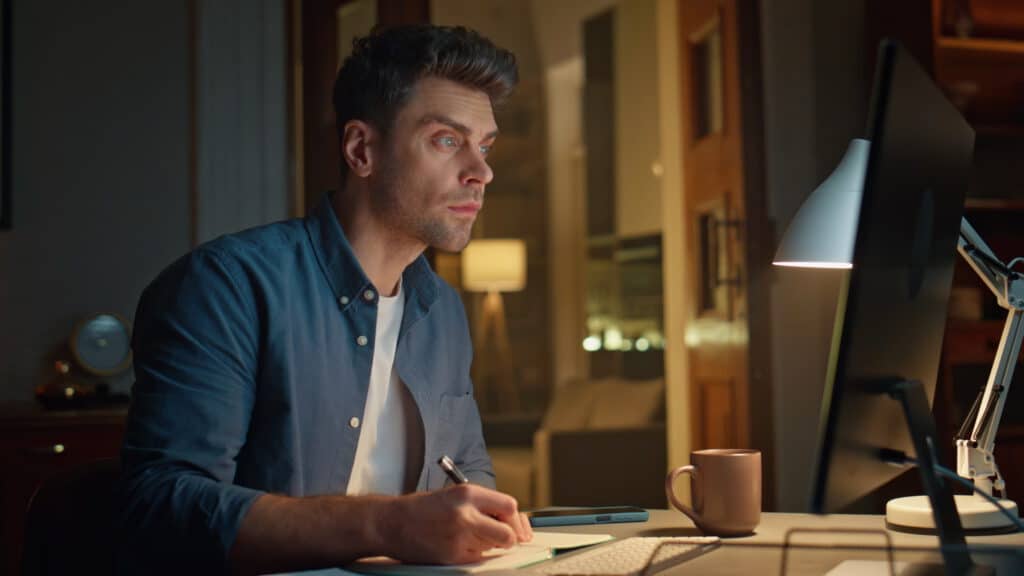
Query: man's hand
<point>455,525</point>
<point>451,526</point>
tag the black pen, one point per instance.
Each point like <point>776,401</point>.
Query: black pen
<point>452,470</point>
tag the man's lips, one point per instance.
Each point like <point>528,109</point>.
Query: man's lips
<point>466,208</point>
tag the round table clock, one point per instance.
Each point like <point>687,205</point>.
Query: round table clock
<point>101,345</point>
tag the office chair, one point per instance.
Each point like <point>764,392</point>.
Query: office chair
<point>69,525</point>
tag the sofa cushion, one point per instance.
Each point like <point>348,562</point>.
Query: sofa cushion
<point>570,407</point>
<point>513,472</point>
<point>626,404</point>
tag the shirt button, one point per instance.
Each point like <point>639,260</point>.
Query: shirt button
<point>362,340</point>
<point>368,295</point>
<point>343,300</point>
<point>353,422</point>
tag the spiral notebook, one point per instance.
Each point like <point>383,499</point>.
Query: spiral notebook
<point>542,547</point>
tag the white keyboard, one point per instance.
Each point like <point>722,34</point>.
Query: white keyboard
<point>636,556</point>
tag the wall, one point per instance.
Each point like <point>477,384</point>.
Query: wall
<point>558,27</point>
<point>100,169</point>
<point>637,185</point>
<point>677,381</point>
<point>243,176</point>
<point>814,104</point>
<point>102,142</point>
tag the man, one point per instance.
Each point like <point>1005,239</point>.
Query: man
<point>293,380</point>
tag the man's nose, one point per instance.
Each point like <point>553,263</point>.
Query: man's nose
<point>478,171</point>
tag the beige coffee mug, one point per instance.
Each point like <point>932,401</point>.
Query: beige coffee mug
<point>726,489</point>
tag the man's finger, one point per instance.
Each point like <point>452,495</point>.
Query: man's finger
<point>502,508</point>
<point>519,524</point>
<point>493,503</point>
<point>525,530</point>
<point>473,552</point>
<point>493,532</point>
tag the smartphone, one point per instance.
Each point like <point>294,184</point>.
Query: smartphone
<point>599,515</point>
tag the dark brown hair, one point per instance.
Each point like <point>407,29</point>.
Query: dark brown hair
<point>380,75</point>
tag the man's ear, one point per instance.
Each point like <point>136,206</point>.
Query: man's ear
<point>358,147</point>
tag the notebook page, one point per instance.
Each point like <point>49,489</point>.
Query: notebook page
<point>565,540</point>
<point>537,550</point>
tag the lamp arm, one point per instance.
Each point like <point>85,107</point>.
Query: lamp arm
<point>976,440</point>
<point>984,262</point>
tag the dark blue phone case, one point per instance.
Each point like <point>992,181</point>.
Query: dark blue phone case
<point>589,516</point>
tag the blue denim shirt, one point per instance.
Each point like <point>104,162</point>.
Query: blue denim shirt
<point>249,367</point>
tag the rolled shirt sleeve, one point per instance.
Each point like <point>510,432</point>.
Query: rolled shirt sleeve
<point>195,354</point>
<point>473,451</point>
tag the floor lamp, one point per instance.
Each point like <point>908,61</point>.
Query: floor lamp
<point>494,266</point>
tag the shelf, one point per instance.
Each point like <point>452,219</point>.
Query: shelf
<point>975,326</point>
<point>976,204</point>
<point>995,129</point>
<point>986,46</point>
<point>984,78</point>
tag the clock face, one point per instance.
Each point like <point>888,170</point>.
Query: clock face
<point>101,345</point>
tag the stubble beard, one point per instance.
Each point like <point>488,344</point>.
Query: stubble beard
<point>403,220</point>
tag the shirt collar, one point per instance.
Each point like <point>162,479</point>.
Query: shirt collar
<point>345,274</point>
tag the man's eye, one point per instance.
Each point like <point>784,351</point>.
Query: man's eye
<point>485,150</point>
<point>448,141</point>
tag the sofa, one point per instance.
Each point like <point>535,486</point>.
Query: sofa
<point>600,442</point>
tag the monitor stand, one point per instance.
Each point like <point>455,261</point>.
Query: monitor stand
<point>953,545</point>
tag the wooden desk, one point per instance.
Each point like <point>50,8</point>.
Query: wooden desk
<point>810,553</point>
<point>35,444</point>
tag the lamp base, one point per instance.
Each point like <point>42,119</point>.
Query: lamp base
<point>978,516</point>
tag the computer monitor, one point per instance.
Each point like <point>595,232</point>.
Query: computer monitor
<point>891,319</point>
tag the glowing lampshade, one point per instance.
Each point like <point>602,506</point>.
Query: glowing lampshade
<point>822,233</point>
<point>494,265</point>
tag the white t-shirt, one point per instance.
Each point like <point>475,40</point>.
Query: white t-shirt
<point>382,453</point>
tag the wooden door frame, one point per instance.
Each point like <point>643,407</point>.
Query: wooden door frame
<point>759,245</point>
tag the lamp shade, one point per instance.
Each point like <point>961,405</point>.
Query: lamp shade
<point>822,233</point>
<point>494,265</point>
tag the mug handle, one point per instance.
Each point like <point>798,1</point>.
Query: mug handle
<point>671,493</point>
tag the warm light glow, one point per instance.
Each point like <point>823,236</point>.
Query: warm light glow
<point>592,343</point>
<point>612,339</point>
<point>494,265</point>
<point>829,265</point>
<point>714,331</point>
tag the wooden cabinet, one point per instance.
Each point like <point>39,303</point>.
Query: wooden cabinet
<point>979,59</point>
<point>36,444</point>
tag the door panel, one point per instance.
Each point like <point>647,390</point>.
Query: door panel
<point>713,172</point>
<point>717,400</point>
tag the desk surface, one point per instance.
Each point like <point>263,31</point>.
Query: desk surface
<point>815,551</point>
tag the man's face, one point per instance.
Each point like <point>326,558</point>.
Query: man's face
<point>431,180</point>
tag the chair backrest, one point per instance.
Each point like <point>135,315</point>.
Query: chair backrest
<point>69,527</point>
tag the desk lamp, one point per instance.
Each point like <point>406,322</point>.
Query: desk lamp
<point>494,266</point>
<point>822,235</point>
